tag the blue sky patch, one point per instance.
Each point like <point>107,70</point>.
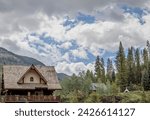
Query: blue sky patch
<point>136,12</point>
<point>85,18</point>
<point>71,23</point>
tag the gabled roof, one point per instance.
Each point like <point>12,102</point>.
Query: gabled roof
<point>13,73</point>
<point>32,67</point>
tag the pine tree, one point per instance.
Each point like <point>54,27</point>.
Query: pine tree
<point>109,69</point>
<point>138,67</point>
<point>89,75</point>
<point>87,80</point>
<point>148,47</point>
<point>103,79</point>
<point>97,69</point>
<point>100,70</point>
<point>146,82</point>
<point>130,67</point>
<point>121,68</point>
<point>145,58</point>
<point>113,76</point>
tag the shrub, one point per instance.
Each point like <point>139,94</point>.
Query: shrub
<point>93,98</point>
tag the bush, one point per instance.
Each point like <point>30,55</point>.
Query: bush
<point>135,97</point>
<point>93,98</point>
<point>114,90</point>
<point>134,87</point>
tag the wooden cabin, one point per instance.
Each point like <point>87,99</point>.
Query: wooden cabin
<point>34,83</point>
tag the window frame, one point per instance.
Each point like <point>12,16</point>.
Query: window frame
<point>31,79</point>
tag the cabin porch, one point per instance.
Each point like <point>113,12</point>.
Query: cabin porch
<point>37,91</point>
<point>30,99</point>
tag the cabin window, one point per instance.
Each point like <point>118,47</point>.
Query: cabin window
<point>31,79</point>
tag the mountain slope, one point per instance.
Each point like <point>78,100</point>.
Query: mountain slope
<point>7,57</point>
<point>62,76</point>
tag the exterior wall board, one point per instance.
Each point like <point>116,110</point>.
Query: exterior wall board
<point>32,73</point>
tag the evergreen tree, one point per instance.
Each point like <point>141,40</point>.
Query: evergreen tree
<point>109,69</point>
<point>121,68</point>
<point>148,47</point>
<point>130,67</point>
<point>87,80</point>
<point>113,76</point>
<point>138,67</point>
<point>89,75</point>
<point>97,68</point>
<point>145,58</point>
<point>103,80</point>
<point>100,70</point>
<point>146,82</point>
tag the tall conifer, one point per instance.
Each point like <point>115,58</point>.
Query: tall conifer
<point>121,68</point>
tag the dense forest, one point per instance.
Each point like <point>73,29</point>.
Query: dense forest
<point>125,79</point>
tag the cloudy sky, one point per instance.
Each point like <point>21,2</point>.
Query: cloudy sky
<point>69,34</point>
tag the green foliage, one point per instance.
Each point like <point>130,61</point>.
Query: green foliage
<point>94,97</point>
<point>114,89</point>
<point>138,67</point>
<point>145,58</point>
<point>121,68</point>
<point>131,72</point>
<point>72,97</point>
<point>103,79</point>
<point>134,87</point>
<point>131,98</point>
<point>135,97</point>
<point>130,67</point>
<point>113,76</point>
<point>110,71</point>
<point>76,88</point>
<point>146,80</point>
<point>97,68</point>
<point>103,89</point>
<point>100,70</point>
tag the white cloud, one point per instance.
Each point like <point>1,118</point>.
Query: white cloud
<point>52,26</point>
<point>19,19</point>
<point>66,57</point>
<point>70,68</point>
<point>107,34</point>
<point>65,45</point>
<point>80,53</point>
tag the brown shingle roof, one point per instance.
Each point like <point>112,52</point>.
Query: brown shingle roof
<point>12,73</point>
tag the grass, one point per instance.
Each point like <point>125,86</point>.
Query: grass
<point>135,97</point>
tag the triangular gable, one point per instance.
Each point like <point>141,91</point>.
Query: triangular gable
<point>32,67</point>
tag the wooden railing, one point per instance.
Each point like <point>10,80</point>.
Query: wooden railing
<point>30,99</point>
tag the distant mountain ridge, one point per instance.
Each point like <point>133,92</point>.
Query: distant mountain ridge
<point>62,76</point>
<point>9,58</point>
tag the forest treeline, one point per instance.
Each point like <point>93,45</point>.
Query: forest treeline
<point>129,72</point>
